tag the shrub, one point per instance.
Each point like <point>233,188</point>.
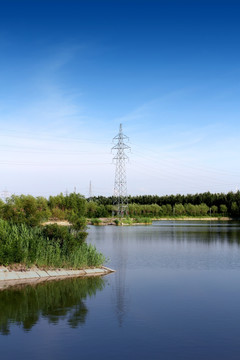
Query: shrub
<point>57,213</point>
<point>96,222</point>
<point>67,239</point>
<point>117,222</point>
<point>143,220</point>
<point>127,221</point>
<point>78,222</point>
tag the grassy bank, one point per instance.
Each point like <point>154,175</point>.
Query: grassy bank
<point>149,220</point>
<point>51,246</point>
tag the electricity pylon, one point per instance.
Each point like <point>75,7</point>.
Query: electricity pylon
<point>120,185</point>
<point>5,195</point>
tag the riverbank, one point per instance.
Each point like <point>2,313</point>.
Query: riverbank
<point>9,277</point>
<point>132,221</point>
<point>148,221</point>
<point>192,218</point>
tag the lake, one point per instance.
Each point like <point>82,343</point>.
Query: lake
<point>175,295</point>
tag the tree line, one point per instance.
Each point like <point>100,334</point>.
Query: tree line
<point>200,204</point>
<point>76,208</point>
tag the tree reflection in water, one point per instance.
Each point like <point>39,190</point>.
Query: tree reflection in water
<point>54,300</point>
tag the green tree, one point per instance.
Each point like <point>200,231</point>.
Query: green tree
<point>203,209</point>
<point>214,209</point>
<point>223,209</point>
<point>26,209</point>
<point>234,209</point>
<point>190,209</point>
<point>91,208</point>
<point>179,209</point>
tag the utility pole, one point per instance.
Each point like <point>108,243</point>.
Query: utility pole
<point>120,185</point>
<point>90,191</point>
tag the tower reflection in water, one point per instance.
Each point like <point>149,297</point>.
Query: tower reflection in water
<point>120,290</point>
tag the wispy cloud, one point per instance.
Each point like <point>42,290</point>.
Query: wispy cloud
<point>45,101</point>
<point>153,108</point>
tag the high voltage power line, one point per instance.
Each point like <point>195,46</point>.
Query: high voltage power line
<point>146,161</point>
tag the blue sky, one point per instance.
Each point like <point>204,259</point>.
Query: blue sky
<point>72,71</point>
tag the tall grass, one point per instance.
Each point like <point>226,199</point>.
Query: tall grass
<point>54,248</point>
<point>143,220</point>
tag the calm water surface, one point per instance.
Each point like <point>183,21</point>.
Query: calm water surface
<point>175,295</point>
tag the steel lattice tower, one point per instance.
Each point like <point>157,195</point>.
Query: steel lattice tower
<point>120,185</point>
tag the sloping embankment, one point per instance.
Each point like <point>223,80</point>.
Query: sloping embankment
<point>10,278</point>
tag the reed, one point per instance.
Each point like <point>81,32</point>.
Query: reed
<point>52,246</point>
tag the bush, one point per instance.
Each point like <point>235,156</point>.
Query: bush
<point>57,213</point>
<point>96,222</point>
<point>67,240</point>
<point>117,222</point>
<point>78,223</point>
<point>127,221</point>
<point>142,220</point>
